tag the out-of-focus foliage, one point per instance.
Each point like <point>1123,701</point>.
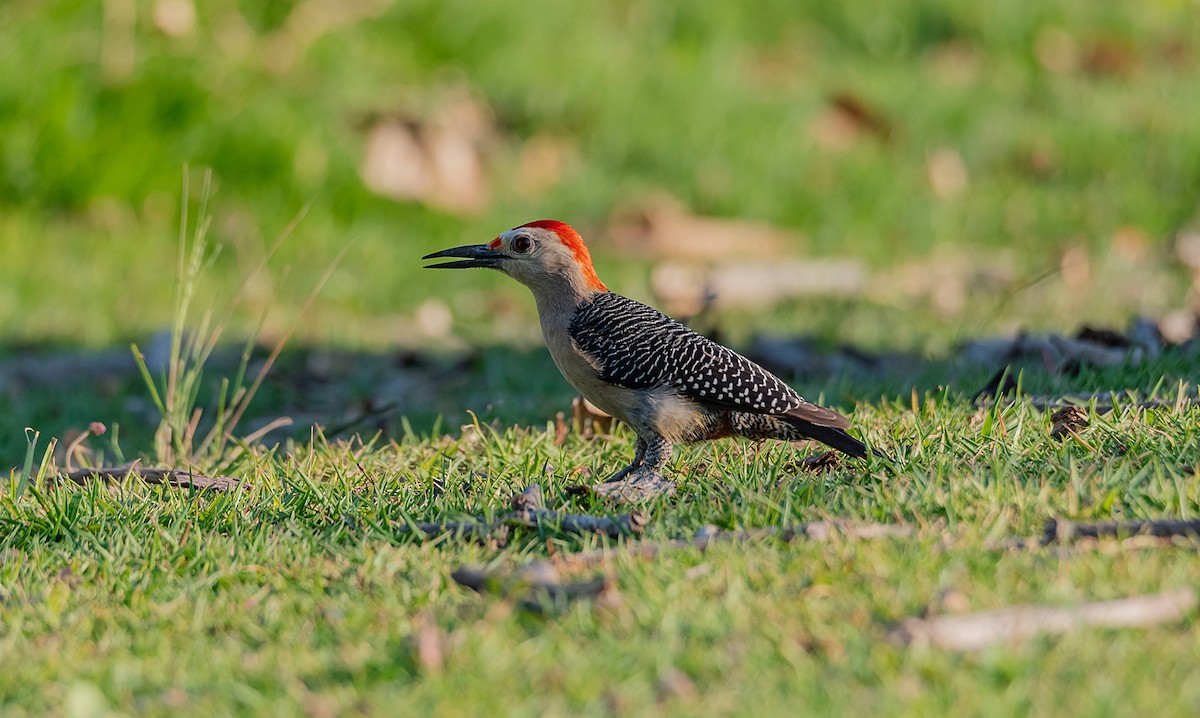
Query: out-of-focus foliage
<point>881,132</point>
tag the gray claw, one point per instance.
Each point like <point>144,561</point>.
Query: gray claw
<point>637,487</point>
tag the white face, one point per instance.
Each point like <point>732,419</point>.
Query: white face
<point>537,258</point>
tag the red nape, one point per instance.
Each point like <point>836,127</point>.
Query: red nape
<point>572,241</point>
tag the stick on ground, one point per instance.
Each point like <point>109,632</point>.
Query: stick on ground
<point>976,631</point>
<point>1063,532</point>
<point>182,478</point>
<point>529,512</point>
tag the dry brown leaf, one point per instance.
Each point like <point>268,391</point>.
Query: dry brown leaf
<point>1187,249</point>
<point>1110,57</point>
<point>543,161</point>
<point>947,173</point>
<point>561,429</point>
<point>674,683</point>
<point>976,631</point>
<point>1066,421</point>
<point>954,63</point>
<point>1179,326</point>
<point>590,420</point>
<point>663,227</point>
<point>394,162</point>
<point>174,18</point>
<point>430,654</point>
<point>1056,50</point>
<point>1040,160</point>
<point>1075,267</point>
<point>846,121</point>
<point>439,161</point>
<point>684,289</point>
<point>941,280</point>
<point>311,20</point>
<point>118,54</point>
<point>1130,244</point>
<point>434,319</point>
<point>1178,54</point>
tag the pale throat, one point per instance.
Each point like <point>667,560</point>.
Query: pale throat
<point>558,295</point>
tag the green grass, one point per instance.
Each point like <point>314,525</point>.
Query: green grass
<point>301,593</point>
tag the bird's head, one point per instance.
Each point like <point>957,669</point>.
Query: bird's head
<point>542,255</point>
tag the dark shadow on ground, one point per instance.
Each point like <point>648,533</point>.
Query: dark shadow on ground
<point>59,390</point>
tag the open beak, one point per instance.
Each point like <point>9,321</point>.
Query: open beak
<point>474,255</point>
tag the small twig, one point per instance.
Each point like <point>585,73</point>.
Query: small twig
<point>182,478</point>
<point>95,428</point>
<point>538,585</point>
<point>975,631</point>
<point>819,531</point>
<point>362,418</point>
<point>529,512</point>
<point>1104,403</point>
<point>1058,531</point>
<point>475,579</point>
<point>479,532</point>
<point>540,581</point>
<point>612,527</point>
<point>239,407</point>
<point>531,498</point>
<point>278,422</point>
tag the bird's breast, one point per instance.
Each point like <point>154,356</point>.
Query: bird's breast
<point>576,367</point>
<point>660,410</point>
<point>583,372</point>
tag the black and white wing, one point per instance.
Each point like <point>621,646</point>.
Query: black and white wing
<point>639,347</point>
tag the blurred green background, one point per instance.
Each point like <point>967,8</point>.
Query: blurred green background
<point>1040,159</point>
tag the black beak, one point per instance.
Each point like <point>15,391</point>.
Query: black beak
<point>475,255</point>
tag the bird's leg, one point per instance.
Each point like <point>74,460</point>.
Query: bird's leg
<point>639,455</point>
<point>654,460</point>
<point>645,480</point>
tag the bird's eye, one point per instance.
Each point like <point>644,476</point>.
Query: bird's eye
<point>521,244</point>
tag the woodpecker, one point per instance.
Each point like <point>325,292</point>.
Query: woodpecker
<point>668,383</point>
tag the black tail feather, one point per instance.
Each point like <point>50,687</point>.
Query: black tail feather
<point>837,438</point>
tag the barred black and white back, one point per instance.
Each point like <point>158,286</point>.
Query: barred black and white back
<point>638,347</point>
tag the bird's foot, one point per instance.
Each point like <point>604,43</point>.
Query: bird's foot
<point>635,485</point>
<point>620,475</point>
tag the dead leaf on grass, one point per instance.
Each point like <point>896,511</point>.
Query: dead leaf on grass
<point>542,163</point>
<point>439,160</point>
<point>590,420</point>
<point>955,63</point>
<point>308,22</point>
<point>947,173</point>
<point>846,121</point>
<point>663,227</point>
<point>1066,421</point>
<point>976,631</point>
<point>675,684</point>
<point>174,18</point>
<point>1110,57</point>
<point>686,288</point>
<point>1056,50</point>
<point>815,463</point>
<point>430,643</point>
<point>1130,244</point>
<point>1179,326</point>
<point>1075,267</point>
